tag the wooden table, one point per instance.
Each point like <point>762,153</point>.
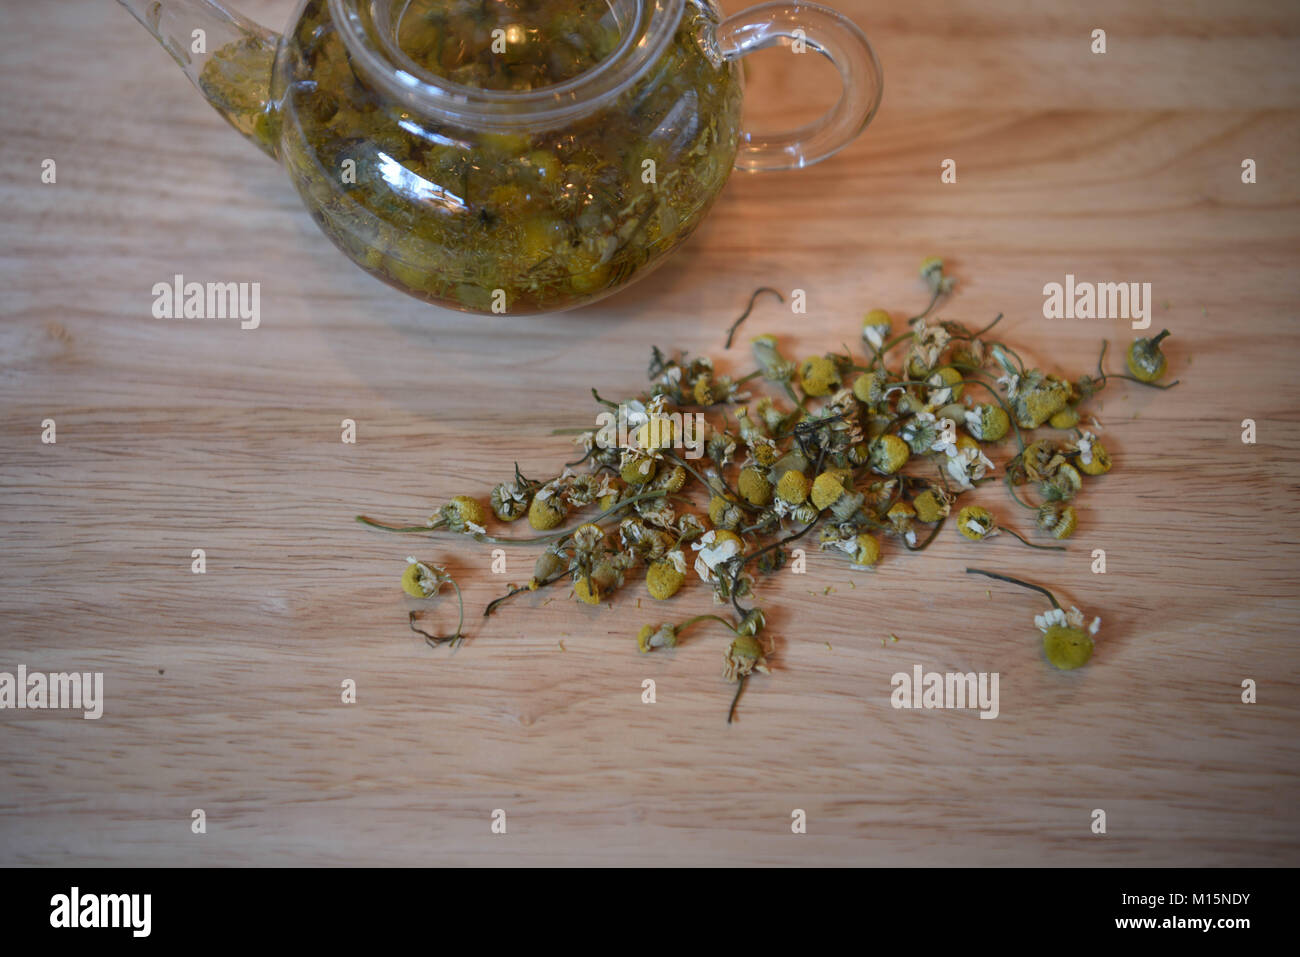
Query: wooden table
<point>223,690</point>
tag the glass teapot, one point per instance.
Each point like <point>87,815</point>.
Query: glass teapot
<point>510,156</point>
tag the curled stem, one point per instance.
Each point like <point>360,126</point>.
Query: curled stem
<point>1016,581</point>
<point>435,640</point>
<point>731,332</point>
<point>1047,548</point>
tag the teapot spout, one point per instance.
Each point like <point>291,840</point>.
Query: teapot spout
<point>228,57</point>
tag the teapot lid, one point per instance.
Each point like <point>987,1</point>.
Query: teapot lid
<point>503,64</point>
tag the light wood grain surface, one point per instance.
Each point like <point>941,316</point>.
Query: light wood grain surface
<point>223,690</point>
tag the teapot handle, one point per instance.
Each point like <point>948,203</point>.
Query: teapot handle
<point>817,28</point>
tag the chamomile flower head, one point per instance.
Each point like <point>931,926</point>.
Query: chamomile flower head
<point>1058,519</point>
<point>637,467</point>
<point>828,488</point>
<point>547,509</point>
<point>889,453</point>
<point>420,580</point>
<point>754,487</point>
<point>866,551</point>
<point>869,387</point>
<point>744,656</point>
<point>1067,418</point>
<point>651,637</point>
<point>987,422</point>
<point>767,353</point>
<point>819,376</point>
<point>792,488</point>
<point>460,513</point>
<point>1038,398</point>
<point>966,465</point>
<point>1145,360</point>
<point>931,505</point>
<point>664,577</point>
<point>875,328</point>
<point>1091,455</point>
<point>715,548</point>
<point>945,385</point>
<point>976,523</point>
<point>1066,642</point>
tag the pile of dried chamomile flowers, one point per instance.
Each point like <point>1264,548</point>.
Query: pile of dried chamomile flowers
<point>707,476</point>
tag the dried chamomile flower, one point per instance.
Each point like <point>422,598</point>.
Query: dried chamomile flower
<point>828,488</point>
<point>976,523</point>
<point>715,548</point>
<point>1067,418</point>
<point>866,552</point>
<point>550,565</point>
<point>819,376</point>
<point>663,578</point>
<point>671,480</point>
<point>721,448</point>
<point>775,367</point>
<point>547,509</point>
<point>945,385</point>
<point>928,343</point>
<point>604,578</point>
<point>1058,519</point>
<point>875,328</point>
<point>987,422</point>
<point>753,622</point>
<point>753,486</point>
<point>637,467</point>
<point>770,414</point>
<point>461,514</point>
<point>966,464</point>
<point>651,637</point>
<point>763,451</point>
<point>744,656</point>
<point>1145,360</point>
<point>1062,486</point>
<point>1038,398</point>
<point>931,505</point>
<point>921,432</point>
<point>792,487</point>
<point>932,273</point>
<point>509,500</point>
<point>1092,457</point>
<point>1065,642</point>
<point>1040,460</point>
<point>724,513</point>
<point>869,388</point>
<point>889,453</point>
<point>422,581</point>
